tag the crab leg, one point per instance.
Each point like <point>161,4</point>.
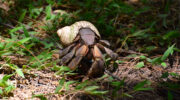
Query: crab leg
<point>111,53</point>
<point>97,68</point>
<point>108,51</point>
<point>104,42</point>
<point>65,51</point>
<point>69,55</point>
<point>80,53</point>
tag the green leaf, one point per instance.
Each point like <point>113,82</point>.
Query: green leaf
<point>6,77</point>
<point>55,68</point>
<point>118,84</point>
<point>1,92</point>
<point>40,96</point>
<point>19,72</point>
<point>9,89</point>
<point>128,95</point>
<point>171,34</point>
<point>82,85</point>
<point>140,86</point>
<point>176,49</point>
<point>64,68</point>
<point>2,53</point>
<point>15,29</point>
<point>143,89</point>
<point>48,12</point>
<point>173,85</point>
<point>150,48</point>
<point>167,53</point>
<point>26,33</point>
<point>132,55</point>
<point>163,64</point>
<point>165,75</point>
<point>156,60</point>
<point>140,65</point>
<point>149,60</point>
<point>24,40</point>
<point>47,45</point>
<point>51,1</point>
<point>70,73</point>
<point>60,86</point>
<point>91,88</point>
<point>174,74</point>
<point>140,32</point>
<point>142,10</point>
<point>3,81</point>
<point>66,85</point>
<point>119,61</point>
<point>21,18</point>
<point>142,57</point>
<point>8,45</point>
<point>170,96</point>
<point>98,92</point>
<point>12,66</point>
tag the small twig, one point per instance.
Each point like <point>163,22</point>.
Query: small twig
<point>110,74</point>
<point>30,53</point>
<point>123,43</point>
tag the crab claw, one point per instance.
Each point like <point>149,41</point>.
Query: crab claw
<point>80,53</point>
<point>97,68</point>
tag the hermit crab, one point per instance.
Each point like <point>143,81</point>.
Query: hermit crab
<point>84,48</point>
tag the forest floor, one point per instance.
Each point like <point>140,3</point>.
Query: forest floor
<point>45,82</point>
<point>143,33</point>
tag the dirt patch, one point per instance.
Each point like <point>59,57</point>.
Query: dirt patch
<point>36,82</point>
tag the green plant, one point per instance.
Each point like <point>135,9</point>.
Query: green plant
<point>141,86</point>
<point>6,86</point>
<point>86,87</point>
<point>15,68</point>
<point>161,59</point>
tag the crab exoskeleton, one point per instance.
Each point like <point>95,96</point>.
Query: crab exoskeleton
<point>84,46</point>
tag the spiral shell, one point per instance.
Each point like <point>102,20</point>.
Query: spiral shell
<point>67,34</point>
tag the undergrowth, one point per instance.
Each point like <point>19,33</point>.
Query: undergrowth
<point>28,41</point>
